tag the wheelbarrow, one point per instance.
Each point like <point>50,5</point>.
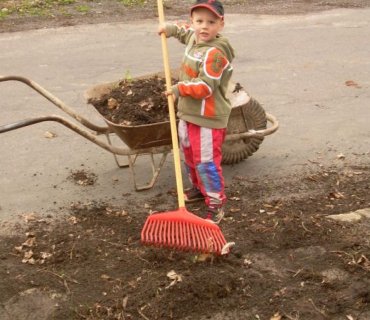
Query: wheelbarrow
<point>246,129</point>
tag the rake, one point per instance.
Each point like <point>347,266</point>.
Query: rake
<point>179,229</point>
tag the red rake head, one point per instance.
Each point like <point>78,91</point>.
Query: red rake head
<point>182,230</point>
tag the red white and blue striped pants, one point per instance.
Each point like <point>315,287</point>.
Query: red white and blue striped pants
<point>203,154</point>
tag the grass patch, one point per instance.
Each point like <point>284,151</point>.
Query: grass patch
<point>83,8</point>
<point>132,2</point>
<point>42,8</point>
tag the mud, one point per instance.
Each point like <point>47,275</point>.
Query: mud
<point>290,261</point>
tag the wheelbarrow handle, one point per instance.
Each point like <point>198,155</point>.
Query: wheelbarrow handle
<point>86,134</point>
<point>255,133</point>
<point>60,104</point>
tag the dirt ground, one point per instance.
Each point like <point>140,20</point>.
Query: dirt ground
<point>113,11</point>
<point>290,260</point>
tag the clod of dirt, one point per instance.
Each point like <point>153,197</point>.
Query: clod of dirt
<point>135,102</point>
<point>83,178</point>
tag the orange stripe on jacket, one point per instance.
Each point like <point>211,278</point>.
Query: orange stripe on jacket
<point>209,110</point>
<point>196,90</point>
<point>189,71</point>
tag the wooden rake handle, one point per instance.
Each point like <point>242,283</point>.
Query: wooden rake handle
<point>171,108</point>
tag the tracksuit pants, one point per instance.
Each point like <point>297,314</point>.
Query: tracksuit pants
<point>203,154</point>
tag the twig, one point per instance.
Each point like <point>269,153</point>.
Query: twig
<point>304,227</point>
<point>297,273</point>
<point>71,253</point>
<point>66,286</point>
<point>142,259</point>
<point>291,318</point>
<point>317,309</point>
<point>143,315</point>
<point>81,315</point>
<point>63,277</point>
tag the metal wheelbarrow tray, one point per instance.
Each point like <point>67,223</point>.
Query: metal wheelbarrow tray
<point>246,129</point>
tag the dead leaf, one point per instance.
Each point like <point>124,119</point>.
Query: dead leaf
<point>364,262</point>
<point>202,257</point>
<point>276,316</point>
<point>341,156</point>
<point>29,217</point>
<point>29,242</point>
<point>247,262</point>
<point>28,257</point>
<point>124,302</point>
<point>28,254</point>
<point>227,247</point>
<point>112,103</point>
<point>172,275</point>
<point>72,220</point>
<point>126,123</point>
<point>18,249</point>
<point>49,135</point>
<point>351,83</point>
<point>336,195</point>
<point>233,210</point>
<point>105,277</point>
<point>271,213</point>
<point>44,256</point>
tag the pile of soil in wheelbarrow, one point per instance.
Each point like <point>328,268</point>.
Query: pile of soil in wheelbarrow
<point>135,102</point>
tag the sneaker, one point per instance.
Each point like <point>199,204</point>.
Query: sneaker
<point>215,214</point>
<point>193,195</point>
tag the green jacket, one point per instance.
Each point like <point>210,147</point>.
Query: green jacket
<point>203,80</point>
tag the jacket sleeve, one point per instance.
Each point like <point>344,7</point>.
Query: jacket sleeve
<point>210,72</point>
<point>181,32</point>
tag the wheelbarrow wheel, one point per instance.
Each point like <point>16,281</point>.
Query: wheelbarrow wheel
<point>243,118</point>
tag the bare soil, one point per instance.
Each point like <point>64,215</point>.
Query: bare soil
<point>290,260</point>
<point>61,15</point>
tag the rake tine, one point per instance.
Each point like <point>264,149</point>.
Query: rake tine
<point>155,232</point>
<point>165,229</point>
<point>173,239</point>
<point>221,239</point>
<point>178,240</point>
<point>189,237</point>
<point>197,244</point>
<point>203,240</point>
<point>144,232</point>
<point>182,235</point>
<point>160,232</point>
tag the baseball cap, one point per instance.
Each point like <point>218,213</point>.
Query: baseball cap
<point>213,5</point>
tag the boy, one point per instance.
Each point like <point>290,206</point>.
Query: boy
<point>203,108</point>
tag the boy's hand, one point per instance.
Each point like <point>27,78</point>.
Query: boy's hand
<point>168,93</point>
<point>162,29</point>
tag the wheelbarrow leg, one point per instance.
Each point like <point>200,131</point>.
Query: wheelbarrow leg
<point>131,160</point>
<point>116,159</point>
<point>155,170</point>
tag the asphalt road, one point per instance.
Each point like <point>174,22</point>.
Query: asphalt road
<point>298,67</point>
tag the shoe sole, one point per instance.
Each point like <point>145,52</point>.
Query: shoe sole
<point>193,200</point>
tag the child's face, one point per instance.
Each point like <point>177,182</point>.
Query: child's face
<point>206,24</point>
